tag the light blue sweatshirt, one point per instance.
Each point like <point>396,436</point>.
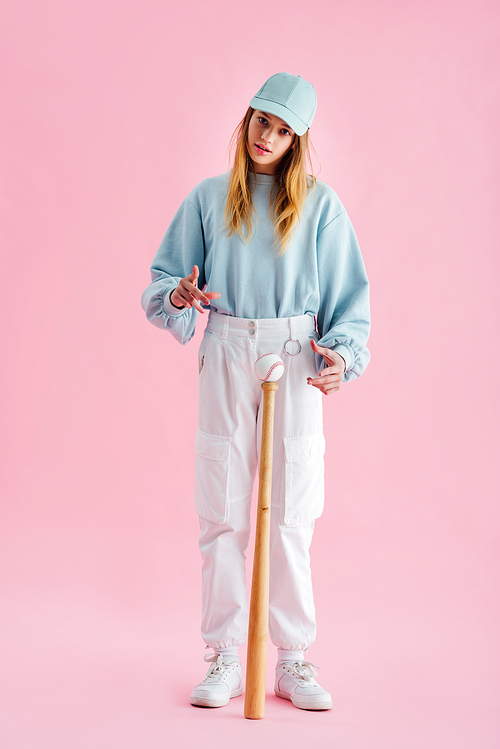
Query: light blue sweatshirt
<point>321,274</point>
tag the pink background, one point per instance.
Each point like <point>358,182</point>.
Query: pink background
<point>111,113</point>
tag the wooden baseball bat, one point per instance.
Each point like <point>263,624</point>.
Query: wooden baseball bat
<point>255,691</point>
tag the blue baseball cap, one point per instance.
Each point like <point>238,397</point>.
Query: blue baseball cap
<point>290,97</point>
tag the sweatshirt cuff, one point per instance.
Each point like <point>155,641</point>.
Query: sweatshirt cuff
<point>347,355</point>
<point>169,308</point>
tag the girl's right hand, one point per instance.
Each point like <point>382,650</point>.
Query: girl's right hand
<point>187,293</point>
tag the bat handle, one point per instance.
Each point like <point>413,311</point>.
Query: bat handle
<point>255,691</point>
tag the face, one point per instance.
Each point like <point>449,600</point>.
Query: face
<point>269,139</point>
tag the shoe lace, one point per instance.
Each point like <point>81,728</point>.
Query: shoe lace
<point>219,666</point>
<point>305,670</point>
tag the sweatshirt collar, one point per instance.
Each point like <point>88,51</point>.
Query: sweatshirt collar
<point>261,179</point>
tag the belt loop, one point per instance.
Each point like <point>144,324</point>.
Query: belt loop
<point>292,345</point>
<point>225,330</point>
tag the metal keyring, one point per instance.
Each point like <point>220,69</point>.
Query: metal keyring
<point>293,340</point>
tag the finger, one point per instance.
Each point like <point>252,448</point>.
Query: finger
<point>177,299</point>
<point>334,371</point>
<point>198,306</point>
<point>319,349</point>
<point>330,374</point>
<point>323,382</point>
<point>192,301</point>
<point>193,298</point>
<point>327,390</point>
<point>316,383</point>
<point>189,300</point>
<point>193,292</point>
<point>325,352</point>
<point>192,278</point>
<point>182,298</point>
<point>212,294</point>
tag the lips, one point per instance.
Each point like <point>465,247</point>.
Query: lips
<point>262,149</point>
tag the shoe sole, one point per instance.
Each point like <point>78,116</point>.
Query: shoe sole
<point>325,705</point>
<point>207,702</point>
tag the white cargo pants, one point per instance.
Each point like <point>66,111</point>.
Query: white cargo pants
<point>227,453</point>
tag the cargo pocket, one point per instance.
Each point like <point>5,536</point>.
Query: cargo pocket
<point>304,478</point>
<point>212,470</point>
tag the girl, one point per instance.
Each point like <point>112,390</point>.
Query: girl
<point>270,251</point>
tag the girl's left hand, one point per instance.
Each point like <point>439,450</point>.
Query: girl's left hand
<point>330,378</point>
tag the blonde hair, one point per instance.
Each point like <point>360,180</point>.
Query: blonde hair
<point>292,184</point>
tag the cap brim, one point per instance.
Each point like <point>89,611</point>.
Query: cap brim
<point>271,107</point>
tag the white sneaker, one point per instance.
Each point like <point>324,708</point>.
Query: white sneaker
<point>224,680</point>
<point>295,682</point>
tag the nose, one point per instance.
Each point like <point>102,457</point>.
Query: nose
<point>267,135</point>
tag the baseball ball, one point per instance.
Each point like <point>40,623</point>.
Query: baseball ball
<point>269,367</point>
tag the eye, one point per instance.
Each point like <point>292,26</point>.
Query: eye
<point>284,131</point>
